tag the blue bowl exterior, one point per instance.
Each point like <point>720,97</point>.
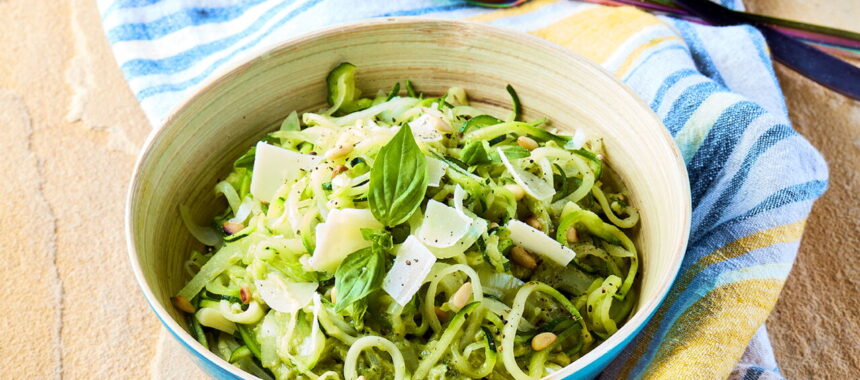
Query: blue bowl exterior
<point>208,366</point>
<point>592,370</point>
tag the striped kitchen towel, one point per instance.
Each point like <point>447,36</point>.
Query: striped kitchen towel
<point>753,178</point>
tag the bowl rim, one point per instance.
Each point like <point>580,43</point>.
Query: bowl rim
<point>628,331</point>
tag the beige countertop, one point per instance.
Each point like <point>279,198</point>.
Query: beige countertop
<point>69,132</point>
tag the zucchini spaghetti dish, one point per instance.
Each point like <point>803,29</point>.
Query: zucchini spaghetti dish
<point>411,237</point>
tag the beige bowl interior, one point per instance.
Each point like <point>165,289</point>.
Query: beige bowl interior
<point>195,148</point>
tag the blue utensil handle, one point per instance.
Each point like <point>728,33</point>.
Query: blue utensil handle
<point>810,62</point>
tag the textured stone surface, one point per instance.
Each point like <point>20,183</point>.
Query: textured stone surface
<point>816,316</point>
<point>69,129</point>
<point>65,101</point>
<point>30,274</point>
<point>814,327</point>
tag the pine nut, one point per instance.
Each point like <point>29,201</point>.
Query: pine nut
<point>572,236</point>
<point>543,340</point>
<point>527,142</point>
<point>461,296</point>
<point>339,169</point>
<point>361,378</point>
<point>231,228</point>
<point>245,295</point>
<point>534,222</point>
<point>182,303</point>
<point>516,190</point>
<point>333,295</point>
<point>523,257</point>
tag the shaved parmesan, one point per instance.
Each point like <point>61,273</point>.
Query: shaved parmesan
<point>284,295</point>
<point>443,226</point>
<point>532,184</point>
<point>476,229</point>
<point>339,236</point>
<point>536,241</point>
<point>273,166</point>
<point>424,128</point>
<point>410,269</point>
<point>435,171</point>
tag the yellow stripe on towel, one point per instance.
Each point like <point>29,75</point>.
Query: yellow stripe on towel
<point>777,235</point>
<point>762,239</point>
<point>597,32</point>
<point>710,331</point>
<point>628,62</point>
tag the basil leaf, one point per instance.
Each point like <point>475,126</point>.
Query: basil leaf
<point>399,233</point>
<point>394,91</point>
<point>474,153</point>
<point>356,312</point>
<point>513,152</point>
<point>247,159</point>
<point>410,91</point>
<point>398,179</point>
<point>379,239</point>
<point>358,275</point>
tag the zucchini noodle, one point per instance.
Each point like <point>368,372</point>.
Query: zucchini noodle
<point>230,193</point>
<point>430,298</point>
<point>510,330</point>
<point>444,342</point>
<point>628,222</point>
<point>368,342</point>
<point>538,360</point>
<point>461,361</point>
<point>338,256</point>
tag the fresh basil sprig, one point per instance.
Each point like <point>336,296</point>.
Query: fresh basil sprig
<point>362,271</point>
<point>379,239</point>
<point>398,179</point>
<point>358,275</point>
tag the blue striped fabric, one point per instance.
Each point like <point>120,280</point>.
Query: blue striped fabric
<point>753,178</point>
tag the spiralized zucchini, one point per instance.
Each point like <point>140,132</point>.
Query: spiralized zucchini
<point>330,264</point>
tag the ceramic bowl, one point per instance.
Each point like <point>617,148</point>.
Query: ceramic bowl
<point>186,156</point>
